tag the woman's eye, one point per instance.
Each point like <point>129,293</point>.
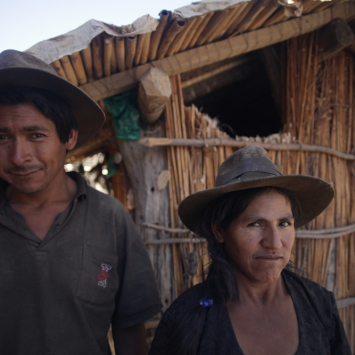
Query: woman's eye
<point>254,224</point>
<point>285,224</point>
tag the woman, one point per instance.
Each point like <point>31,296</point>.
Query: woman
<point>250,303</point>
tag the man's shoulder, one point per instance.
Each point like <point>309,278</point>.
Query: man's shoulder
<point>102,201</point>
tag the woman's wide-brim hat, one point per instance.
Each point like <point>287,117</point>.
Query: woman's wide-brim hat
<point>251,167</point>
<point>22,69</point>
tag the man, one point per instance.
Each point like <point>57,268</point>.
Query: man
<point>71,260</point>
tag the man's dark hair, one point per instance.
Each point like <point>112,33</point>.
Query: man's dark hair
<point>49,104</point>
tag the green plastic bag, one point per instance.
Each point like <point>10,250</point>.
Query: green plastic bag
<point>112,167</point>
<point>125,114</point>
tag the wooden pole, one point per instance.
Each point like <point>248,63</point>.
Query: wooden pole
<point>96,49</point>
<point>87,60</point>
<point>145,49</point>
<point>169,37</point>
<point>153,93</point>
<point>113,58</point>
<point>108,49</point>
<point>178,142</point>
<point>196,22</point>
<point>180,38</point>
<point>157,34</point>
<point>204,23</point>
<point>141,40</point>
<point>131,43</point>
<point>59,69</point>
<point>68,69</point>
<point>215,24</point>
<point>78,67</point>
<point>334,37</point>
<point>120,53</point>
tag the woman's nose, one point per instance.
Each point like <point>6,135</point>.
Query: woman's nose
<point>272,238</point>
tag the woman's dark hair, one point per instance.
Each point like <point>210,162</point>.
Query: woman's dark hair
<point>49,104</point>
<point>223,212</point>
<point>221,283</point>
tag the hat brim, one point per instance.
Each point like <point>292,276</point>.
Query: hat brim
<point>88,114</point>
<point>313,196</point>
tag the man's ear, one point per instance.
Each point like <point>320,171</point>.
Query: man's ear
<point>218,232</point>
<point>73,138</point>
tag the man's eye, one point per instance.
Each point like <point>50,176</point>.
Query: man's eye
<point>37,135</point>
<point>3,136</point>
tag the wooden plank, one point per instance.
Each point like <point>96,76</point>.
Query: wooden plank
<point>215,52</point>
<point>180,142</point>
<point>345,302</point>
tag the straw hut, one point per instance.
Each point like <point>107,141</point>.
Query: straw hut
<point>280,70</point>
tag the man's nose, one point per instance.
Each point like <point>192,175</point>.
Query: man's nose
<point>272,238</point>
<point>19,152</point>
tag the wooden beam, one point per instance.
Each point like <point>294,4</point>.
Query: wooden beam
<point>216,142</point>
<point>215,82</point>
<point>345,302</point>
<point>153,93</point>
<point>94,146</point>
<point>208,74</point>
<point>215,52</point>
<point>334,37</point>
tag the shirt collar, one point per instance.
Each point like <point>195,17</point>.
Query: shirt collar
<point>79,180</point>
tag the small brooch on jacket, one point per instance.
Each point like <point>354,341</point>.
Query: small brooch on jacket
<point>206,303</point>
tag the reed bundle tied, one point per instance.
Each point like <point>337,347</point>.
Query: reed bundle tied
<point>319,110</point>
<point>191,169</point>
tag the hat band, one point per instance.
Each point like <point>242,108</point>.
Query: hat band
<point>260,165</point>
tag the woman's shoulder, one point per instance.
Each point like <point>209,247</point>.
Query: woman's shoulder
<point>311,298</point>
<point>310,287</point>
<point>190,299</point>
<point>181,324</point>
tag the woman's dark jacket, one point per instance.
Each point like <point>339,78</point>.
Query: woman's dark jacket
<point>208,331</point>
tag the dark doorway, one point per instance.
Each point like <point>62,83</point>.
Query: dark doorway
<point>245,106</point>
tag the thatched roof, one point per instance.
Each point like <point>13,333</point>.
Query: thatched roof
<point>180,41</point>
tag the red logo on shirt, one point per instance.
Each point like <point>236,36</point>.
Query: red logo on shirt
<point>103,275</point>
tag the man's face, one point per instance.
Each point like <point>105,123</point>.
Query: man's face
<point>31,154</point>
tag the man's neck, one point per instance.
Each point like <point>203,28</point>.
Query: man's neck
<point>61,189</point>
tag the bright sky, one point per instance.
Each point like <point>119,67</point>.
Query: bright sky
<point>24,23</point>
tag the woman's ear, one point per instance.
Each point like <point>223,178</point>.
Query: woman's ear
<point>218,232</point>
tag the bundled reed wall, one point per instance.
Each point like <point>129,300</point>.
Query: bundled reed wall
<point>319,110</point>
<point>192,170</point>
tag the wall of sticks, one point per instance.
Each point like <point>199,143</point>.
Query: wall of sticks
<point>318,109</point>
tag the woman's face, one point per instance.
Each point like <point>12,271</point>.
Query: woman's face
<point>260,240</point>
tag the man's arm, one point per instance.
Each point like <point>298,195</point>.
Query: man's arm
<point>130,341</point>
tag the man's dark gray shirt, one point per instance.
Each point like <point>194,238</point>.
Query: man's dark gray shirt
<point>58,296</point>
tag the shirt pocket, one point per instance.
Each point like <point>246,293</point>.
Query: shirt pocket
<point>98,280</point>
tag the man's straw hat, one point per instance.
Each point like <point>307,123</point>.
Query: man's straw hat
<point>251,167</point>
<point>22,69</point>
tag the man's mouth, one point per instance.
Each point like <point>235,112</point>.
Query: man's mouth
<point>24,171</point>
<point>23,174</point>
